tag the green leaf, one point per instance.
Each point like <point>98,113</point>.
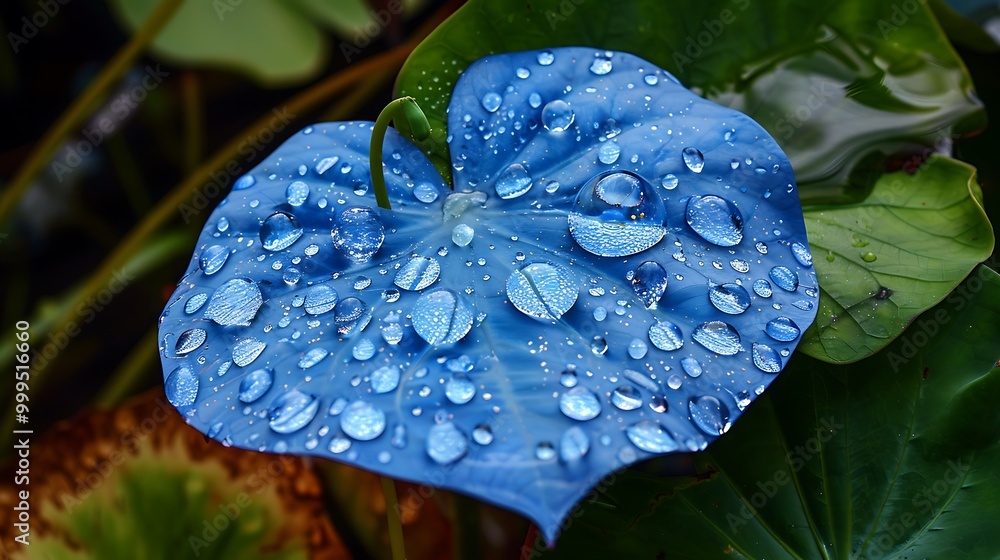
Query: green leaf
<point>274,42</point>
<point>843,87</point>
<point>897,456</point>
<point>885,260</point>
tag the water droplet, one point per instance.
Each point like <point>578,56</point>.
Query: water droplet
<point>616,214</point>
<point>244,182</point>
<point>601,66</point>
<point>320,299</point>
<point>362,421</point>
<point>417,274</point>
<point>190,340</point>
<point>347,313</point>
<point>637,349</point>
<point>235,303</point>
<point>729,298</point>
<point>573,445</point>
<point>669,181</point>
<point>710,415</point>
<point>364,350</point>
<point>740,265</point>
<point>765,358</point>
<point>513,181</point>
<point>359,233</point>
<point>212,259</point>
<point>545,452</point>
<point>360,189</point>
<point>546,58</point>
<point>392,333</point>
<point>557,115</point>
<point>313,357</point>
<point>580,404</point>
<point>693,159</point>
<point>291,411</point>
<point>291,276</point>
<point>869,257</point>
<point>802,254</point>
<point>255,384</point>
<point>195,302</point>
<point>568,378</point>
<point>535,100</point>
<point>651,437</point>
<point>446,443</point>
<point>785,278</point>
<point>649,283</point>
<point>324,165</point>
<point>425,192</point>
<point>718,337</point>
<point>297,193</point>
<point>626,397</point>
<point>247,350</point>
<point>181,387</point>
<point>762,288</point>
<point>598,345</point>
<point>399,438</point>
<point>523,73</point>
<point>339,444</point>
<point>459,389</point>
<point>600,313</point>
<point>441,317</point>
<point>667,336</point>
<point>385,379</point>
<point>542,290</point>
<point>691,366</point>
<point>782,329</point>
<point>651,79</point>
<point>608,153</point>
<point>715,220</point>
<point>279,231</point>
<point>462,235</point>
<point>491,101</point>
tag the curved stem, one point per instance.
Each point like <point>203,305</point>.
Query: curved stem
<point>404,108</point>
<point>83,105</point>
<point>395,524</point>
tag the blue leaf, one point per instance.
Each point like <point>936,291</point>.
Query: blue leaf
<point>621,270</point>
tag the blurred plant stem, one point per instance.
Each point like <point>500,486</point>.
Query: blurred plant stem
<point>194,120</point>
<point>129,375</point>
<point>128,174</point>
<point>395,524</point>
<point>78,112</point>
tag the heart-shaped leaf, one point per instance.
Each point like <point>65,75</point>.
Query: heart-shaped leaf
<point>839,86</point>
<point>628,271</point>
<point>894,457</point>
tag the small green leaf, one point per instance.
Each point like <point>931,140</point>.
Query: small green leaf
<point>885,260</point>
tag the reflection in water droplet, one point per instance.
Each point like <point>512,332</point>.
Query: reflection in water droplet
<point>785,278</point>
<point>782,329</point>
<point>491,101</point>
<point>279,231</point>
<point>617,213</point>
<point>362,421</point>
<point>441,317</point>
<point>580,404</point>
<point>181,387</point>
<point>573,445</point>
<point>247,350</point>
<point>762,288</point>
<point>212,259</point>
<point>626,397</point>
<point>651,437</point>
<point>715,220</point>
<point>649,283</point>
<point>255,384</point>
<point>459,389</point>
<point>693,159</point>
<point>557,116</point>
<point>190,340</point>
<point>417,274</point>
<point>291,411</point>
<point>235,303</point>
<point>718,337</point>
<point>667,336</point>
<point>513,181</point>
<point>729,298</point>
<point>446,443</point>
<point>297,193</point>
<point>765,358</point>
<point>710,415</point>
<point>542,290</point>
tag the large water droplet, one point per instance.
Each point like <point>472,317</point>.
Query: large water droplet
<point>650,436</point>
<point>667,336</point>
<point>483,434</point>
<point>255,384</point>
<point>297,193</point>
<point>545,58</point>
<point>212,259</point>
<point>626,397</point>
<point>385,379</point>
<point>573,445</point>
<point>363,350</point>
<point>762,288</point>
<point>441,317</point>
<point>715,220</point>
<point>710,415</point>
<point>491,101</point>
<point>782,329</point>
<point>601,66</point>
<point>637,349</point>
<point>320,299</point>
<point>580,404</point>
<point>425,192</point>
<point>247,350</point>
<point>557,116</point>
<point>362,421</point>
<point>462,235</point>
<point>729,298</point>
<point>347,314</point>
<point>608,153</point>
<point>181,387</point>
<point>244,182</point>
<point>693,159</point>
<point>542,290</point>
<point>359,233</point>
<point>459,389</point>
<point>802,254</point>
<point>190,340</point>
<point>649,283</point>
<point>279,231</point>
<point>718,337</point>
<point>616,214</point>
<point>235,303</point>
<point>785,278</point>
<point>417,274</point>
<point>513,181</point>
<point>446,443</point>
<point>766,358</point>
<point>291,411</point>
<point>691,366</point>
<point>195,302</point>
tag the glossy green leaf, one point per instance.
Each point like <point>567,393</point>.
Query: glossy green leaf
<point>887,259</point>
<point>897,456</point>
<point>842,87</point>
<point>274,42</point>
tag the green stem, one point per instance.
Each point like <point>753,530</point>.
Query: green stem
<point>404,108</point>
<point>395,525</point>
<point>81,108</point>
